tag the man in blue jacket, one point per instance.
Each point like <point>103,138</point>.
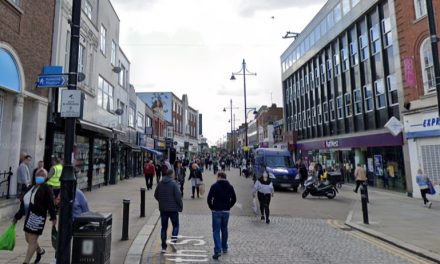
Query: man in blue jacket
<point>221,199</point>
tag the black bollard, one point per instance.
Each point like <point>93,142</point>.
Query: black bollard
<point>364,200</point>
<point>142,202</point>
<point>125,218</point>
<point>365,184</point>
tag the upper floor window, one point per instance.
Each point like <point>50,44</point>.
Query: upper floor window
<point>368,98</point>
<point>103,36</point>
<point>345,61</point>
<point>392,90</point>
<point>427,66</point>
<point>329,69</point>
<point>386,30</point>
<point>353,54</point>
<point>16,2</point>
<point>122,76</point>
<point>325,111</point>
<point>309,119</point>
<point>131,116</point>
<point>336,64</point>
<point>345,6</point>
<point>319,113</point>
<point>420,7</point>
<point>81,58</point>
<point>340,106</point>
<point>347,98</point>
<point>313,116</point>
<point>140,121</point>
<point>375,39</point>
<point>379,88</point>
<point>87,8</point>
<point>105,94</point>
<point>113,55</point>
<point>357,101</point>
<point>332,109</point>
<point>363,42</point>
<point>304,125</point>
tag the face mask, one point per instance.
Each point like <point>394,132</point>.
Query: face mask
<point>39,180</point>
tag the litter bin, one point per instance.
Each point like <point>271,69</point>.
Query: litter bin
<point>92,236</point>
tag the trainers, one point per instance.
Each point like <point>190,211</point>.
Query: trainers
<point>225,251</point>
<point>164,250</point>
<point>267,221</point>
<point>429,204</point>
<point>216,256</point>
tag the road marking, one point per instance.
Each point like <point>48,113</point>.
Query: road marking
<point>239,205</point>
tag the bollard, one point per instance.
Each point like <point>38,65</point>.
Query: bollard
<point>365,185</point>
<point>142,202</point>
<point>364,200</point>
<point>125,218</point>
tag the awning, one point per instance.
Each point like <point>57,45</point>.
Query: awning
<point>117,131</point>
<point>95,128</point>
<point>134,148</point>
<point>153,151</point>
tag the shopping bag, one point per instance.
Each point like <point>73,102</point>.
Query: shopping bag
<point>7,239</point>
<point>202,188</point>
<point>54,237</point>
<point>255,206</point>
<point>431,188</point>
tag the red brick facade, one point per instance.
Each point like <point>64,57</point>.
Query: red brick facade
<point>29,29</point>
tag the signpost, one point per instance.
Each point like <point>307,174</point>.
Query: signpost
<point>71,103</point>
<point>52,80</point>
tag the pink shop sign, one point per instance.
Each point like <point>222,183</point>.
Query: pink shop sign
<point>410,75</point>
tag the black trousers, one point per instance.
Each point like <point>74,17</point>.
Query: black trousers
<point>264,199</point>
<point>423,192</point>
<point>149,180</point>
<point>358,183</point>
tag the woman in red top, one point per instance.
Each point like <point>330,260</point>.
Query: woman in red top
<point>149,172</point>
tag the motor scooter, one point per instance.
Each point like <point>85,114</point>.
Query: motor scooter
<point>322,189</point>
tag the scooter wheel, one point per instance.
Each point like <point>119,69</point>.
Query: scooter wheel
<point>331,194</point>
<point>304,194</point>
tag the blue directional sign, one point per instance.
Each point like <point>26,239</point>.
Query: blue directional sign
<point>48,81</point>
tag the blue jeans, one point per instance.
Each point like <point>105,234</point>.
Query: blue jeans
<point>220,223</point>
<point>164,216</point>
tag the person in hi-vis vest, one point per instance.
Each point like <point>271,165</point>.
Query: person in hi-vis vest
<point>55,175</point>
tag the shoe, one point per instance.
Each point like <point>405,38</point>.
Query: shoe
<point>225,251</point>
<point>164,250</point>
<point>262,217</point>
<point>192,196</point>
<point>216,256</point>
<point>267,221</point>
<point>39,254</point>
<point>429,204</point>
<point>355,191</point>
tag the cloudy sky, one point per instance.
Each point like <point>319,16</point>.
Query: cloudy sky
<point>192,47</point>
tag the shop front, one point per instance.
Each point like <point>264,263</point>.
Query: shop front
<point>422,131</point>
<point>380,154</point>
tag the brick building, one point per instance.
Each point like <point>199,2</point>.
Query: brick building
<point>26,29</point>
<point>265,118</point>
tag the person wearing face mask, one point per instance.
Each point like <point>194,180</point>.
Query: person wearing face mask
<point>263,189</point>
<point>37,202</point>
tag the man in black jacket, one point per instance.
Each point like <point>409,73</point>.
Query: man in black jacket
<point>221,199</point>
<point>170,204</point>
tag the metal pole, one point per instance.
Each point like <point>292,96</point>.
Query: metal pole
<point>364,200</point>
<point>245,107</point>
<point>231,138</point>
<point>142,202</point>
<point>68,180</point>
<point>125,219</point>
<point>434,48</point>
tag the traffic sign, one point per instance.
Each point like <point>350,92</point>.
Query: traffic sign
<point>71,103</point>
<point>49,81</point>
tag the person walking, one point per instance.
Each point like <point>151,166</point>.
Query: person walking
<point>168,195</point>
<point>360,176</point>
<point>180,174</point>
<point>55,175</point>
<point>37,202</point>
<point>195,175</point>
<point>263,190</point>
<point>423,183</point>
<point>221,198</point>
<point>149,171</point>
<point>158,166</point>
<point>23,175</point>
<point>80,204</point>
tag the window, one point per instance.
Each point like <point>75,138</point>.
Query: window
<point>392,90</point>
<point>353,54</point>
<point>347,98</point>
<point>375,39</point>
<point>420,7</point>
<point>329,69</point>
<point>81,60</point>
<point>357,101</point>
<point>340,107</point>
<point>304,120</point>
<point>325,110</point>
<point>87,8</point>
<point>105,94</point>
<point>306,78</point>
<point>345,6</point>
<point>354,2</point>
<point>313,116</point>
<point>312,80</point>
<point>323,27</point>
<point>332,109</point>
<point>319,113</point>
<point>317,76</point>
<point>330,20</point>
<point>16,2</point>
<point>363,42</point>
<point>427,66</point>
<point>345,62</point>
<point>379,88</point>
<point>338,14</point>
<point>140,121</point>
<point>131,114</point>
<point>323,73</point>
<point>113,56</point>
<point>103,36</point>
<point>368,95</point>
<point>122,76</point>
<point>336,62</point>
<point>309,119</point>
<point>299,121</point>
<point>386,30</point>
<point>295,123</point>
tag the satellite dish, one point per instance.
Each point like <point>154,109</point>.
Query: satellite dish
<point>81,76</point>
<point>117,69</point>
<point>119,111</point>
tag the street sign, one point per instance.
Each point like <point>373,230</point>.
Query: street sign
<point>49,81</point>
<point>71,103</point>
<point>394,126</point>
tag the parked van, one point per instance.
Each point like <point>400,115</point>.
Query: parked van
<point>279,165</point>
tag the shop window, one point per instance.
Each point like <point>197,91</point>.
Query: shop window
<point>430,159</point>
<point>420,8</point>
<point>392,90</point>
<point>368,98</point>
<point>427,66</point>
<point>353,54</point>
<point>329,69</point>
<point>363,42</point>
<point>379,90</point>
<point>308,118</point>
<point>340,107</point>
<point>325,110</point>
<point>347,98</point>
<point>375,39</point>
<point>332,109</point>
<point>357,101</point>
<point>345,62</point>
<point>103,39</point>
<point>387,34</point>
<point>319,113</point>
<point>336,64</point>
<point>313,116</point>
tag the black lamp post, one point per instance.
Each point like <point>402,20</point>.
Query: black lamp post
<point>244,72</point>
<point>232,135</point>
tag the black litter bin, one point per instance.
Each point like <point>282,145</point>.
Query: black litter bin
<point>92,237</point>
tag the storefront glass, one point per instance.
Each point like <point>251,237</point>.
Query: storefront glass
<point>99,164</point>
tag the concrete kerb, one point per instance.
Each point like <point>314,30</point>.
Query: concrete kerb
<point>134,255</point>
<point>391,240</point>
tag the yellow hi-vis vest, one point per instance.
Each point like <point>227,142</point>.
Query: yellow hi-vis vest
<point>54,181</point>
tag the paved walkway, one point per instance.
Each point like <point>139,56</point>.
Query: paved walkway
<point>105,199</point>
<point>403,218</point>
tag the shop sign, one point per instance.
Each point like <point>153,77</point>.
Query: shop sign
<point>394,126</point>
<point>160,145</point>
<point>149,142</point>
<point>431,122</point>
<point>332,143</point>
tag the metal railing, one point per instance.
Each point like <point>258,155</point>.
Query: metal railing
<point>5,182</point>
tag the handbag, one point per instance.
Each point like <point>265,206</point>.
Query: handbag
<point>255,206</point>
<point>201,188</point>
<point>431,189</point>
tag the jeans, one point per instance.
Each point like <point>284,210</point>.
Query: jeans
<point>220,223</point>
<point>164,216</point>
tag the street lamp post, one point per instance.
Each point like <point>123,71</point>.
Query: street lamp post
<point>244,72</point>
<point>224,110</point>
